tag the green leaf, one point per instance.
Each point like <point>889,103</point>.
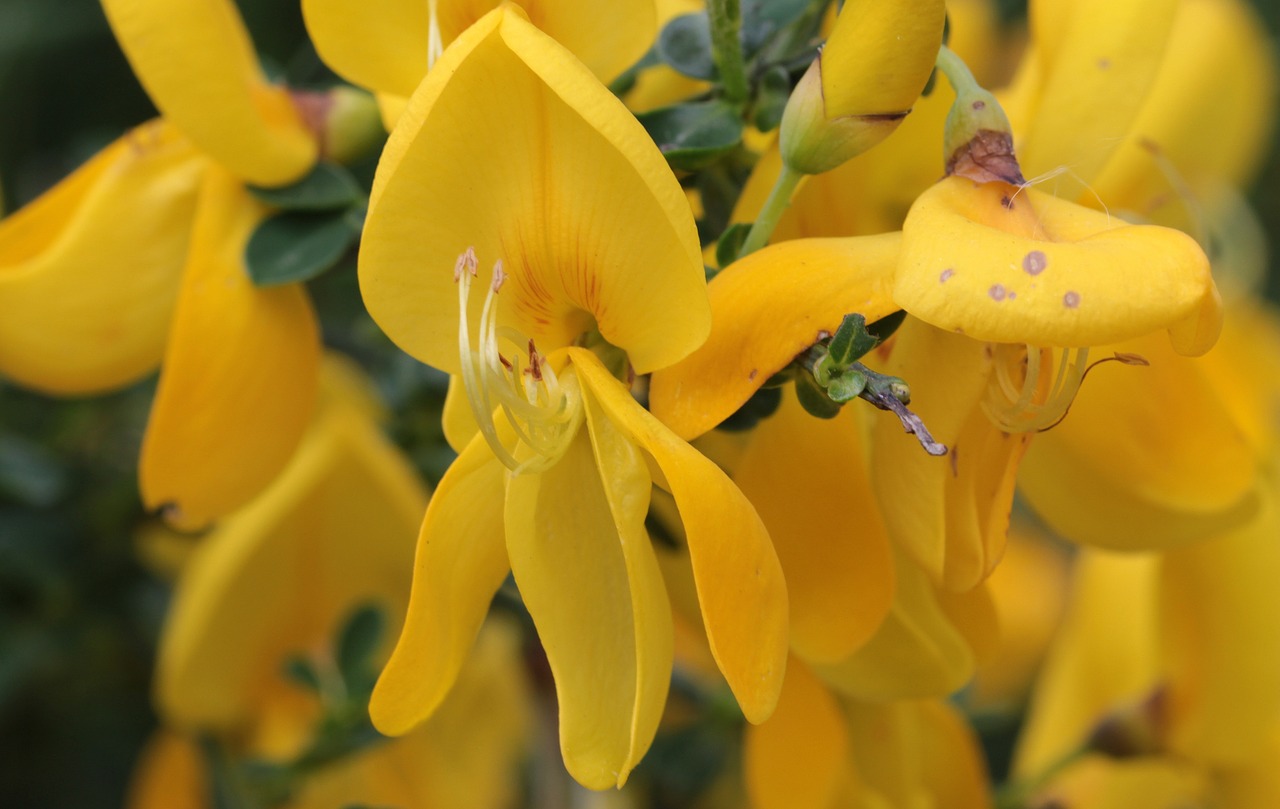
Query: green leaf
<point>814,399</point>
<point>847,386</point>
<point>685,45</point>
<point>329,187</point>
<point>357,642</point>
<point>694,135</point>
<point>299,669</point>
<point>884,328</point>
<point>762,19</point>
<point>730,244</point>
<point>762,404</point>
<point>771,98</point>
<point>296,245</point>
<point>850,341</point>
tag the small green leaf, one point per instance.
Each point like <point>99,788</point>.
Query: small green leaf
<point>328,187</point>
<point>771,98</point>
<point>694,135</point>
<point>762,19</point>
<point>884,328</point>
<point>730,243</point>
<point>814,399</point>
<point>847,386</point>
<point>685,45</point>
<point>850,341</point>
<point>296,245</point>
<point>357,641</point>
<point>299,669</point>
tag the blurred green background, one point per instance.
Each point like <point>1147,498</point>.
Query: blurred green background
<point>78,613</point>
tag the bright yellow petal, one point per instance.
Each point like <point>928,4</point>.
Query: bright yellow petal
<point>383,45</point>
<point>458,421</point>
<point>489,154</point>
<point>740,587</point>
<point>1099,782</point>
<point>460,563</point>
<point>1013,266</point>
<point>197,63</point>
<point>837,564</point>
<point>170,774</point>
<point>1099,59</point>
<point>797,759</point>
<point>951,758</point>
<point>1209,113</point>
<point>240,372</point>
<point>879,56</point>
<point>766,309</point>
<point>950,513</point>
<point>1151,457</point>
<point>1105,656</point>
<point>277,577</point>
<point>89,272</point>
<point>582,561</point>
<point>1222,641</point>
<point>917,652</point>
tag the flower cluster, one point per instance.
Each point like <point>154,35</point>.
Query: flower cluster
<point>806,374</point>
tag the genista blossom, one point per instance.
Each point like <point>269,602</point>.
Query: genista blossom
<point>511,152</point>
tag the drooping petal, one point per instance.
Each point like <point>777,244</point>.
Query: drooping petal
<point>1097,61</point>
<point>807,478</point>
<point>197,63</point>
<point>741,592</point>
<point>1014,266</point>
<point>490,154</point>
<point>278,577</point>
<point>240,372</point>
<point>767,308</point>
<point>798,758</point>
<point>383,45</point>
<point>1222,641</point>
<point>917,652</point>
<point>1105,656</point>
<point>593,588</point>
<point>460,563</point>
<point>879,56</point>
<point>89,272</point>
<point>950,513</point>
<point>1157,456</point>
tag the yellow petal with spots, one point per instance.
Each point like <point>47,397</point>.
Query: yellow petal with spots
<point>1014,266</point>
<point>489,154</point>
<point>196,61</point>
<point>816,282</point>
<point>798,759</point>
<point>838,566</point>
<point>741,592</point>
<point>460,563</point>
<point>90,271</point>
<point>240,372</point>
<point>593,588</point>
<point>277,577</point>
<point>384,45</point>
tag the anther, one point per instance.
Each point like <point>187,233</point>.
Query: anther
<point>467,263</point>
<point>499,276</point>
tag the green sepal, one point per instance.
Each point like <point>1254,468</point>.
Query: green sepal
<point>730,243</point>
<point>328,187</point>
<point>771,98</point>
<point>295,246</point>
<point>694,135</point>
<point>814,399</point>
<point>685,45</point>
<point>847,386</point>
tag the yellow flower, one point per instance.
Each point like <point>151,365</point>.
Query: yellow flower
<point>387,46</point>
<point>139,255</point>
<point>556,484</point>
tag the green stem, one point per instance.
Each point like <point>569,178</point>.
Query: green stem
<point>957,72</point>
<point>726,47</point>
<point>767,220</point>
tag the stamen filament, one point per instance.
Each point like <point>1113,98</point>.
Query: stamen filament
<point>1016,408</point>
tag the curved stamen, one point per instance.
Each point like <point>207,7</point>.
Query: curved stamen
<point>1027,406</point>
<point>542,413</point>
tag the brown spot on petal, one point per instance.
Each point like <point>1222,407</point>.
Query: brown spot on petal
<point>1007,202</point>
<point>1104,64</point>
<point>947,273</point>
<point>1035,262</point>
<point>1071,300</point>
<point>751,376</point>
<point>997,292</point>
